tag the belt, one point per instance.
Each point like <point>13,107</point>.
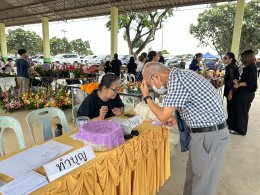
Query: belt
<point>208,129</point>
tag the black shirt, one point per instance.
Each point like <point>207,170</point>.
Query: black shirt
<point>91,105</point>
<point>249,76</point>
<point>132,68</point>
<point>116,65</point>
<point>161,59</point>
<point>231,73</point>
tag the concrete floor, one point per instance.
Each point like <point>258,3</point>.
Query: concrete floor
<point>241,171</point>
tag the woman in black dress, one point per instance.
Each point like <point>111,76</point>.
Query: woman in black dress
<point>131,66</point>
<point>116,65</point>
<point>231,74</point>
<point>246,87</point>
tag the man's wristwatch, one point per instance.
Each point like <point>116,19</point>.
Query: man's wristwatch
<point>146,98</point>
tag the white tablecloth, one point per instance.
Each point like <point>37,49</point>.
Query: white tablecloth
<point>6,83</point>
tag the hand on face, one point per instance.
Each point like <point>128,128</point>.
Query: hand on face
<point>118,111</point>
<point>144,89</point>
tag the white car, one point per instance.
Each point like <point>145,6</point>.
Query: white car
<point>98,60</point>
<point>87,59</point>
<point>124,59</point>
<point>38,59</point>
<point>67,58</point>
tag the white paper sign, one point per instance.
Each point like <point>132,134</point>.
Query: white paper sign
<point>131,123</point>
<point>69,162</point>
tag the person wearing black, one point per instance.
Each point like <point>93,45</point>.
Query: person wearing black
<point>246,88</point>
<point>107,67</point>
<point>116,65</point>
<point>161,58</point>
<point>103,102</point>
<point>232,73</point>
<point>195,64</point>
<point>132,66</point>
<point>152,57</point>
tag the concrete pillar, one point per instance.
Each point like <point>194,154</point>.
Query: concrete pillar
<point>238,27</point>
<point>3,41</point>
<point>46,40</point>
<point>114,29</point>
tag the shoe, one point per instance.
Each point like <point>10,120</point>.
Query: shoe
<point>233,132</point>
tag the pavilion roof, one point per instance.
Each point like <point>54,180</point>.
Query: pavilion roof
<point>21,12</point>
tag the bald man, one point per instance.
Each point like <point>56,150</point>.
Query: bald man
<point>200,106</point>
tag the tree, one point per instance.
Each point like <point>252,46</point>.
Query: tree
<point>21,39</point>
<point>60,45</point>
<point>81,47</point>
<point>165,51</point>
<point>140,28</point>
<point>215,27</point>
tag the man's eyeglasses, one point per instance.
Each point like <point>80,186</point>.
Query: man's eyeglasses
<point>114,90</point>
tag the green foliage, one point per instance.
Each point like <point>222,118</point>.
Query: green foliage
<point>19,38</point>
<point>140,27</point>
<point>81,47</point>
<point>215,27</point>
<point>32,42</point>
<point>165,51</point>
<point>60,45</point>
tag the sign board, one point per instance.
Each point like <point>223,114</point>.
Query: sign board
<point>69,162</point>
<point>131,123</point>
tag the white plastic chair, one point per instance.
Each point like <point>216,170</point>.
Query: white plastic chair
<point>75,112</point>
<point>13,123</point>
<point>100,77</point>
<point>130,77</point>
<point>44,117</point>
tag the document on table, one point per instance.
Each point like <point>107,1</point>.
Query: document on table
<point>24,184</point>
<point>27,160</point>
<point>57,147</point>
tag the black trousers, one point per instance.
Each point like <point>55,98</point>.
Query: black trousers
<point>243,103</point>
<point>231,110</point>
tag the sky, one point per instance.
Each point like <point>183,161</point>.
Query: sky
<point>175,33</point>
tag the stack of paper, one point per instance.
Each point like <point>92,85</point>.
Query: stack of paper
<point>24,184</point>
<point>32,158</point>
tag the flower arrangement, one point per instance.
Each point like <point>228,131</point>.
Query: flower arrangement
<point>130,87</point>
<point>33,100</point>
<point>82,71</point>
<point>216,78</point>
<point>89,88</point>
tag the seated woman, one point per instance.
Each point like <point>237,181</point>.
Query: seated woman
<point>103,102</point>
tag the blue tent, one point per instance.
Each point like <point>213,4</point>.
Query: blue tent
<point>208,55</point>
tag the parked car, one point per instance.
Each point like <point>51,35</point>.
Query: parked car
<point>101,59</point>
<point>124,58</point>
<point>67,58</point>
<point>87,59</point>
<point>170,63</point>
<point>38,59</point>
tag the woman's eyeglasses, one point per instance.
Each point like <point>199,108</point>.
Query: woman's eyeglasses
<point>114,90</point>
